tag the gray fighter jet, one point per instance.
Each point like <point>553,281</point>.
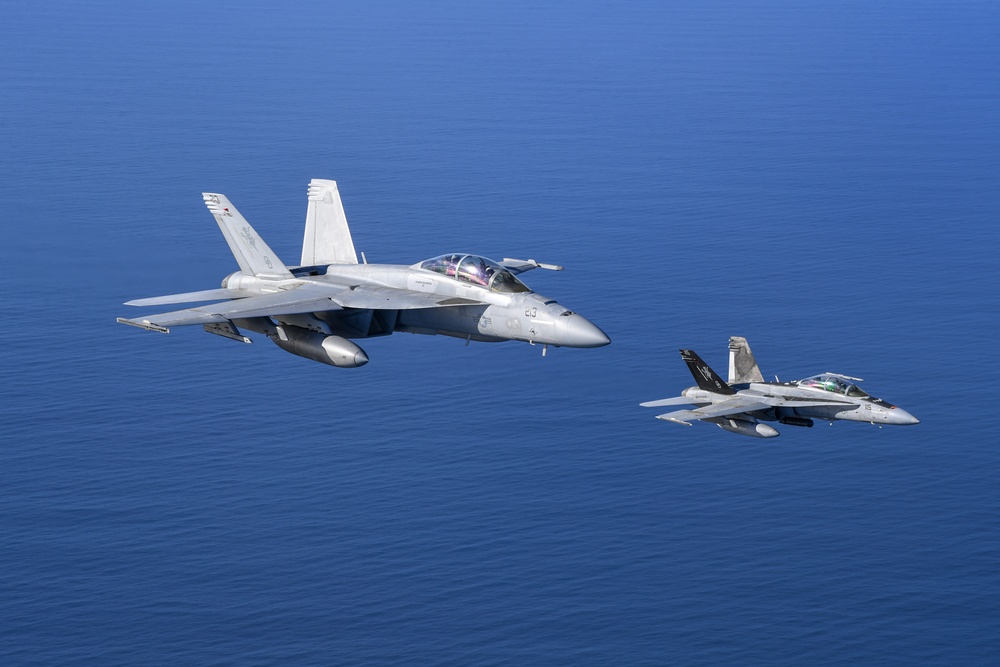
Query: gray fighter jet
<point>737,405</point>
<point>313,309</point>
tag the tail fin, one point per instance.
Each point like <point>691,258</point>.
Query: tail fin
<point>706,378</point>
<point>254,256</point>
<point>328,238</point>
<point>742,366</point>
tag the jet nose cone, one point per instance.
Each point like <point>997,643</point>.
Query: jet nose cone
<point>578,331</point>
<point>901,417</point>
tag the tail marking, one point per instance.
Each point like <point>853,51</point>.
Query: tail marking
<point>254,256</point>
<point>742,365</point>
<point>706,378</point>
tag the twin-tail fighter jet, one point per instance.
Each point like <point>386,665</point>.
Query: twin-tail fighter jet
<point>737,405</point>
<point>314,309</point>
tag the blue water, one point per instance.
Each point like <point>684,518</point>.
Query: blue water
<point>821,178</point>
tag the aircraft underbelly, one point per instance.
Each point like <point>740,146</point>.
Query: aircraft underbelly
<point>460,321</point>
<point>360,323</point>
<point>828,412</point>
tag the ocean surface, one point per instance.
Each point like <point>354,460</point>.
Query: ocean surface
<point>821,178</point>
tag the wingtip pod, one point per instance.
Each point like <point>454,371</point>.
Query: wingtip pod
<point>668,418</point>
<point>143,324</point>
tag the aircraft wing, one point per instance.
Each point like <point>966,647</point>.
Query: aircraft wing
<point>303,299</point>
<point>794,402</point>
<point>787,403</point>
<point>189,297</point>
<point>725,408</point>
<point>391,298</point>
<point>676,400</point>
<point>278,303</point>
<point>741,403</point>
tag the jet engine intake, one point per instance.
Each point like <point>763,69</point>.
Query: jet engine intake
<point>797,421</point>
<point>331,350</point>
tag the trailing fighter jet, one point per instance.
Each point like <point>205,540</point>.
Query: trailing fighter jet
<point>313,309</point>
<point>737,405</point>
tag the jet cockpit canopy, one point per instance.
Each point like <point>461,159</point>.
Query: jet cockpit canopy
<point>475,270</point>
<point>835,383</point>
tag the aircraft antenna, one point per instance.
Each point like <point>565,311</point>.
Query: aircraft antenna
<point>363,258</point>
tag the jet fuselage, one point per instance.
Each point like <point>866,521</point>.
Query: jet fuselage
<point>854,408</point>
<point>489,316</point>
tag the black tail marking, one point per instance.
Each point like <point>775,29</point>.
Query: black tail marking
<point>706,378</point>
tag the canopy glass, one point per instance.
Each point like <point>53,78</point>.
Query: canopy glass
<point>834,383</point>
<point>476,270</point>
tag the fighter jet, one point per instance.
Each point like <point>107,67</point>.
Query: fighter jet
<point>314,309</point>
<point>737,405</point>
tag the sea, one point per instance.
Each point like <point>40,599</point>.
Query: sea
<point>822,178</point>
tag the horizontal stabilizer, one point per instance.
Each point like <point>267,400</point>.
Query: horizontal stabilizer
<point>191,297</point>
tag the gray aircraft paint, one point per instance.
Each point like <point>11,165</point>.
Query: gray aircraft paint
<point>315,309</point>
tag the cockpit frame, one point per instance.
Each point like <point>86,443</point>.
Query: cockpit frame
<point>475,270</point>
<point>837,384</point>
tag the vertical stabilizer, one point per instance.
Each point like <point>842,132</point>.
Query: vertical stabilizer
<point>254,256</point>
<point>742,366</point>
<point>706,378</point>
<point>328,238</point>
